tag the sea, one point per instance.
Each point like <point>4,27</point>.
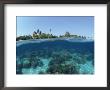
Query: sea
<point>74,57</point>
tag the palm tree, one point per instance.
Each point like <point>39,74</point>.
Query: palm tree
<point>40,34</point>
<point>37,31</point>
<point>34,34</point>
<point>67,34</point>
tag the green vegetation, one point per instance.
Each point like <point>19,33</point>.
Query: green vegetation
<point>40,35</point>
<point>25,37</point>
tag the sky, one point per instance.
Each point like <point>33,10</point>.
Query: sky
<point>78,25</point>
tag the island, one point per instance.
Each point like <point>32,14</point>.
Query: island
<point>41,35</point>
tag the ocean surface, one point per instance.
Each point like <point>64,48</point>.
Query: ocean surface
<point>55,57</point>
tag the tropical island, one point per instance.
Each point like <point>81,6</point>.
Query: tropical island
<point>41,35</point>
<point>55,45</point>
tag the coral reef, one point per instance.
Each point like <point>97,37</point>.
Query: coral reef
<point>59,65</point>
<point>32,62</point>
<point>63,69</point>
<point>55,57</point>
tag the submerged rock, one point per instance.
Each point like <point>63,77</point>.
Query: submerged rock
<point>79,58</point>
<point>35,62</point>
<point>26,63</point>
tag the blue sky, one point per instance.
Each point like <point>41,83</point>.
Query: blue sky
<point>80,25</point>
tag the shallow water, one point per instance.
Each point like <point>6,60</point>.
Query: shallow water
<point>55,57</point>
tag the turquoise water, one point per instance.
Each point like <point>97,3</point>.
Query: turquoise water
<point>55,57</point>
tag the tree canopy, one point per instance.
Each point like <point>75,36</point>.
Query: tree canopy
<point>40,35</point>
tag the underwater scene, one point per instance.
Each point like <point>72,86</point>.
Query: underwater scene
<point>55,57</point>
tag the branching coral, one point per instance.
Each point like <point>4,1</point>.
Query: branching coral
<point>58,63</point>
<point>63,69</point>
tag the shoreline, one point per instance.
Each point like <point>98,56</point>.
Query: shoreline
<point>21,42</point>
